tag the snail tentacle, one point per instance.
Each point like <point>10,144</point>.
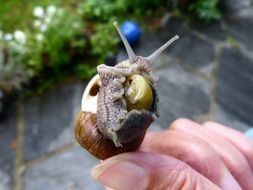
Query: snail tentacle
<point>130,52</point>
<point>154,55</point>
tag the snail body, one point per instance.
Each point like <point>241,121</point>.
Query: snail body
<point>113,119</point>
<point>127,103</point>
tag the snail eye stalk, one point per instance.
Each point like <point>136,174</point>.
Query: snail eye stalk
<point>154,55</point>
<point>130,52</point>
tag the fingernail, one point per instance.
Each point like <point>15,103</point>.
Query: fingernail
<point>120,175</point>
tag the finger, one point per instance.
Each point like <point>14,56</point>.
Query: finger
<point>146,171</point>
<point>193,151</point>
<point>108,188</point>
<point>239,140</point>
<point>234,159</point>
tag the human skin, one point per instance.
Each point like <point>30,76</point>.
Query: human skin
<point>187,156</point>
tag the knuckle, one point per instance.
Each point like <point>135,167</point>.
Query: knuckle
<point>239,166</point>
<point>213,124</point>
<point>176,178</point>
<point>179,122</point>
<point>201,157</point>
<point>248,149</point>
<point>209,123</point>
<point>248,152</point>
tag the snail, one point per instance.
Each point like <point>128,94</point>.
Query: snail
<point>119,104</point>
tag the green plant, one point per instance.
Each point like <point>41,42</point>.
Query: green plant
<point>205,10</point>
<point>11,51</point>
<point>232,41</point>
<point>144,7</point>
<point>54,35</point>
<point>104,10</point>
<point>100,14</point>
<point>49,41</point>
<point>46,50</point>
<point>104,41</point>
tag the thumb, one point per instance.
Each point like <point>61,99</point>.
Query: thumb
<point>146,171</point>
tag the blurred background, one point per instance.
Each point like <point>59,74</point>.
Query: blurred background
<point>50,49</point>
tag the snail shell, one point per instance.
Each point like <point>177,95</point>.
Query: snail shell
<point>90,138</point>
<point>105,126</point>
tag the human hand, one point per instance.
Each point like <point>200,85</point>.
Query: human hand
<point>187,156</point>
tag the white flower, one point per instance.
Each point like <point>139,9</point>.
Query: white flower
<point>39,37</point>
<point>48,19</point>
<point>51,9</point>
<point>37,23</point>
<point>20,36</point>
<point>60,12</point>
<point>43,27</point>
<point>18,48</point>
<point>8,37</point>
<point>38,12</point>
<point>76,25</point>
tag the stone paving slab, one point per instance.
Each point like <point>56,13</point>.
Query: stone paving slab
<point>241,29</point>
<point>143,48</point>
<point>189,50</point>
<point>50,119</point>
<point>238,8</point>
<point>66,171</point>
<point>212,30</point>
<point>7,149</point>
<point>194,52</point>
<point>234,87</point>
<point>228,119</point>
<point>182,94</point>
<point>172,27</point>
<point>152,40</point>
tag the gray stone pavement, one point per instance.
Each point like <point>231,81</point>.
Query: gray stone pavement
<point>206,75</point>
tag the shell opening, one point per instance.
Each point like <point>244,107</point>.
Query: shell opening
<point>138,93</point>
<point>94,89</point>
<point>90,95</point>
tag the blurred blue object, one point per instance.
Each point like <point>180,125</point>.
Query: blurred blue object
<point>249,133</point>
<point>132,31</point>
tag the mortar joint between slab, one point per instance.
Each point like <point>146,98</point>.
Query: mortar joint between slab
<point>19,167</point>
<point>206,38</point>
<point>213,81</point>
<point>39,159</point>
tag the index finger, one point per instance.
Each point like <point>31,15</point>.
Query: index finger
<point>243,143</point>
<point>194,152</point>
